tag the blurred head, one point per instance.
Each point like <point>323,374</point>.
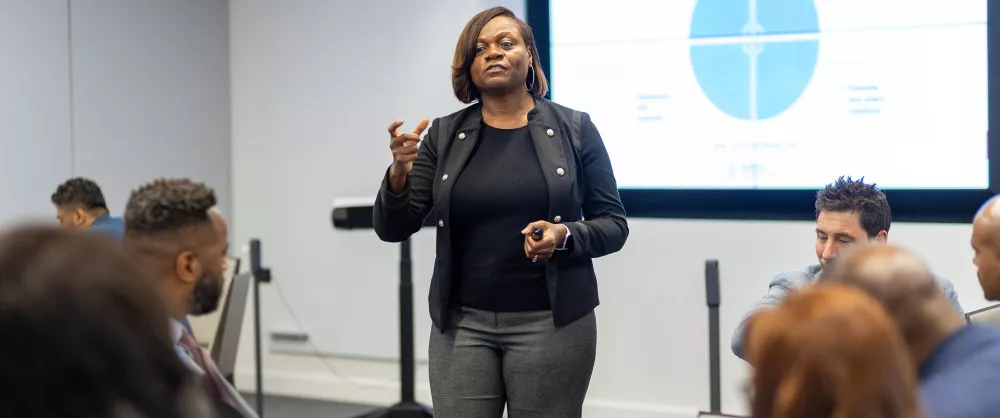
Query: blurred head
<point>906,288</point>
<point>829,351</point>
<point>84,335</point>
<point>78,202</point>
<point>496,55</point>
<point>174,230</point>
<point>986,245</point>
<point>847,212</point>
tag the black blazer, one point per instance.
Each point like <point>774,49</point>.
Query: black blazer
<point>583,195</point>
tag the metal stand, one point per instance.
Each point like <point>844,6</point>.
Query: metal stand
<point>407,407</point>
<point>260,275</point>
<point>713,300</point>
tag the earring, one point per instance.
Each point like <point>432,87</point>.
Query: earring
<point>531,73</point>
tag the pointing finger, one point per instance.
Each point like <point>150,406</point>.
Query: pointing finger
<point>421,126</point>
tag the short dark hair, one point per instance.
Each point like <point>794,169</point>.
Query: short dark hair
<point>168,205</point>
<point>856,196</point>
<point>465,54</point>
<point>85,334</point>
<point>79,191</point>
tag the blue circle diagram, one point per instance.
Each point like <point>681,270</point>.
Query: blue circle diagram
<point>754,62</point>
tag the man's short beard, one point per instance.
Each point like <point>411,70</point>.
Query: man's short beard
<point>205,298</point>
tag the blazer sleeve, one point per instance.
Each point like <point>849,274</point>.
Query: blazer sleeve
<point>603,229</point>
<point>398,216</point>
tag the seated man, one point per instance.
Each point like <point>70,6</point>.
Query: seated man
<point>986,244</point>
<point>80,205</point>
<point>847,212</point>
<point>78,340</point>
<point>173,229</point>
<point>957,364</point>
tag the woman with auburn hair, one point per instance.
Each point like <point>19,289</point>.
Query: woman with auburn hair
<point>524,198</point>
<point>830,351</point>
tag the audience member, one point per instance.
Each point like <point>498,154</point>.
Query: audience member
<point>958,364</point>
<point>986,244</point>
<point>829,351</point>
<point>174,231</point>
<point>80,205</point>
<point>81,336</point>
<point>847,212</point>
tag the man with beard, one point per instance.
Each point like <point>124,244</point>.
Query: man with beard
<point>986,244</point>
<point>173,229</point>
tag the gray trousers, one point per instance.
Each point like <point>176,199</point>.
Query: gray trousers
<point>487,360</point>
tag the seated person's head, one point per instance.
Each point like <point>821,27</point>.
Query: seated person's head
<point>83,334</point>
<point>986,244</point>
<point>174,232</point>
<point>905,286</point>
<point>847,212</point>
<point>78,202</point>
<point>829,351</point>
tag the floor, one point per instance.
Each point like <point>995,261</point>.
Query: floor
<point>284,407</point>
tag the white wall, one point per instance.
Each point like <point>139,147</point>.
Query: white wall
<point>116,90</point>
<point>315,83</point>
<point>34,106</point>
<point>151,93</point>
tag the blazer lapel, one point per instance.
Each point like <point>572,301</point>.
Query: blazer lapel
<point>559,175</point>
<point>462,141</point>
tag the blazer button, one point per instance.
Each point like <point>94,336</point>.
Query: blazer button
<point>557,219</point>
<point>560,171</point>
<point>444,177</point>
<point>441,223</point>
<point>461,136</point>
<point>550,132</point>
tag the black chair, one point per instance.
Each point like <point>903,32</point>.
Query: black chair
<point>227,338</point>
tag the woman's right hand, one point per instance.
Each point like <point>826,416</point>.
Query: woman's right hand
<point>404,152</point>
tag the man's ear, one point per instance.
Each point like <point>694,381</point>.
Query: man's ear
<point>187,267</point>
<point>80,217</point>
<point>882,236</point>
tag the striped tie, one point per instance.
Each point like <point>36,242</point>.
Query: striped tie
<point>199,356</point>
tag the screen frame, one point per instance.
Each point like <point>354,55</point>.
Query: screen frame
<point>908,205</point>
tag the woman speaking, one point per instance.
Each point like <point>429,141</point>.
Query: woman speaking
<point>524,197</point>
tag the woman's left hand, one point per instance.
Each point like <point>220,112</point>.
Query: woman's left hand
<point>553,236</point>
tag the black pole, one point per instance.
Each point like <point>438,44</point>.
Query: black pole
<point>260,274</point>
<point>713,300</point>
<point>407,407</point>
<point>258,366</point>
<point>406,355</point>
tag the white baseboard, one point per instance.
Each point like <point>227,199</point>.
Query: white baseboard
<point>373,391</point>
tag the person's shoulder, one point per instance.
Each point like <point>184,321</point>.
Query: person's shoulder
<point>550,108</point>
<point>988,332</point>
<point>965,390</point>
<point>111,226</point>
<point>981,345</point>
<point>546,103</point>
<point>459,115</point>
<point>792,278</point>
<point>942,280</point>
<point>116,222</point>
